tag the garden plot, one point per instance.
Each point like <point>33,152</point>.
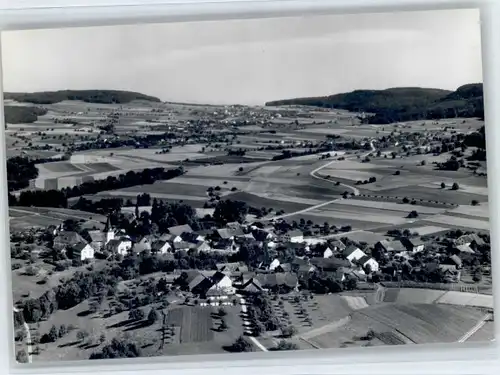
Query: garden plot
<point>389,206</point>
<point>466,299</point>
<point>374,218</point>
<point>414,295</point>
<point>461,222</point>
<point>429,229</point>
<point>195,323</point>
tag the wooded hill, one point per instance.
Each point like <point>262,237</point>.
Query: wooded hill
<point>402,103</point>
<point>89,96</point>
<point>27,114</point>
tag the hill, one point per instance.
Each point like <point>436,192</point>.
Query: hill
<point>89,96</point>
<point>402,103</point>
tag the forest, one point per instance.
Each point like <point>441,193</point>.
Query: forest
<point>402,104</point>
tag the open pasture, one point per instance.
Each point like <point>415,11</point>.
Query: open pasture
<point>429,229</point>
<point>459,222</point>
<point>466,299</point>
<point>439,195</point>
<point>388,206</point>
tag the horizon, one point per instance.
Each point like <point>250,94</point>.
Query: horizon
<point>251,62</point>
<point>256,105</point>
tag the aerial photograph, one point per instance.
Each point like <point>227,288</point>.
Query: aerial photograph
<point>218,187</point>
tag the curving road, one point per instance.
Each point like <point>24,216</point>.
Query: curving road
<point>314,175</point>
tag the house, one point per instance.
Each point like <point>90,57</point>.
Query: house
<point>144,244</point>
<point>225,246</point>
<point>328,253</point>
<point>275,263</point>
<point>464,249</point>
<point>337,245</point>
<point>231,267</point>
<point>353,253</point>
<point>120,245</point>
<point>228,233</point>
<point>81,251</point>
<point>182,246</point>
<point>97,239</point>
<point>330,264</point>
<point>284,267</point>
<point>413,245</point>
<point>191,237</point>
<point>179,229</point>
<point>200,285</point>
<point>65,240</point>
<point>366,261</point>
<point>262,235</point>
<point>166,237</point>
<point>390,246</point>
<point>454,261</point>
<point>202,247</point>
<point>160,247</point>
<point>473,240</point>
<point>278,282</point>
<point>221,285</point>
<point>252,286</point>
<point>294,236</point>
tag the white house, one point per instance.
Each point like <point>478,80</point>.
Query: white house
<point>366,260</point>
<point>82,251</point>
<point>221,285</point>
<point>353,253</point>
<point>328,253</point>
<point>414,245</point>
<point>160,247</point>
<point>295,236</point>
<point>119,245</point>
<point>275,263</point>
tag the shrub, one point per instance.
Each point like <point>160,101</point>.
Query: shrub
<point>136,314</point>
<point>284,345</point>
<point>443,185</point>
<point>241,345</point>
<point>406,200</point>
<point>474,202</point>
<point>21,356</point>
<point>455,186</point>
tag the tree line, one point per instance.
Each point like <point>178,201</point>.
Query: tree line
<point>59,198</point>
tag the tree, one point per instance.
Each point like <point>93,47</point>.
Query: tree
<point>443,185</point>
<point>82,335</point>
<point>455,186</point>
<point>284,345</point>
<point>223,325</point>
<point>222,312</point>
<point>474,202</point>
<point>53,334</point>
<point>288,331</point>
<point>136,314</point>
<point>62,330</point>
<point>241,345</point>
<point>152,316</point>
<point>117,349</point>
<point>102,338</point>
<point>21,356</point>
<point>413,214</point>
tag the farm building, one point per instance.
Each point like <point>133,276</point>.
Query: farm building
<point>252,286</point>
<point>67,239</point>
<point>337,245</point>
<point>413,244</point>
<point>232,267</point>
<point>472,240</point>
<point>294,236</point>
<point>203,247</point>
<point>97,239</point>
<point>278,282</point>
<point>330,264</point>
<point>144,244</point>
<point>221,285</point>
<point>225,246</point>
<point>228,233</point>
<point>81,251</point>
<point>353,253</point>
<point>182,246</point>
<point>191,237</point>
<point>328,253</point>
<point>463,249</point>
<point>390,246</point>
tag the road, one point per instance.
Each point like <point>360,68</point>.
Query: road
<point>314,175</point>
<point>474,329</point>
<point>28,337</point>
<point>257,343</point>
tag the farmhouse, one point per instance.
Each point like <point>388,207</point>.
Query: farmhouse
<point>228,233</point>
<point>337,245</point>
<point>119,245</point>
<point>413,245</point>
<point>81,251</point>
<point>295,236</point>
<point>390,246</point>
<point>252,286</point>
<point>144,244</point>
<point>221,285</point>
<point>366,261</point>
<point>97,239</point>
<point>278,282</point>
<point>472,240</point>
<point>231,267</point>
<point>453,261</point>
<point>67,239</point>
<point>182,246</point>
<point>160,247</point>
<point>330,264</point>
<point>463,249</point>
<point>353,253</point>
<point>328,253</point>
<point>203,247</point>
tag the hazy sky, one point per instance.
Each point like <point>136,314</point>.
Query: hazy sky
<point>251,61</point>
